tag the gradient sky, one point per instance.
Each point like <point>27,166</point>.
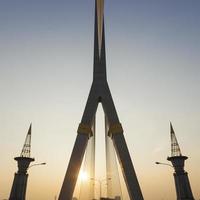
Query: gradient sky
<point>153,65</point>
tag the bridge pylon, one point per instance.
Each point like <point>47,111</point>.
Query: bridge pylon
<point>100,93</point>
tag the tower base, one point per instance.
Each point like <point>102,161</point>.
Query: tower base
<point>18,191</point>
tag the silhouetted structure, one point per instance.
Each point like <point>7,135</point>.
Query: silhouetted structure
<point>182,184</point>
<point>116,198</point>
<point>18,191</point>
<point>100,93</point>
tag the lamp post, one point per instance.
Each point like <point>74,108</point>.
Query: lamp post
<point>160,163</point>
<point>37,164</point>
<point>100,181</point>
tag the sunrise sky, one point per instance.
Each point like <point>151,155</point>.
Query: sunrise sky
<point>153,66</point>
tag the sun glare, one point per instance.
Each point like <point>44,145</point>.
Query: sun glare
<point>83,176</point>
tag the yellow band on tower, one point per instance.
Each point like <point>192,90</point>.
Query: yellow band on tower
<point>84,129</point>
<point>115,129</point>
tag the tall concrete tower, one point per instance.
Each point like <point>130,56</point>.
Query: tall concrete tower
<point>100,94</point>
<point>18,191</point>
<point>182,183</point>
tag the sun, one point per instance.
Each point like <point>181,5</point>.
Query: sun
<point>83,176</point>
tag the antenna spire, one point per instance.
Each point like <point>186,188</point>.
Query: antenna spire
<point>26,150</point>
<point>175,149</point>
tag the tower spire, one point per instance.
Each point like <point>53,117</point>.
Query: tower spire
<point>26,150</point>
<point>100,20</point>
<point>99,42</point>
<point>175,149</point>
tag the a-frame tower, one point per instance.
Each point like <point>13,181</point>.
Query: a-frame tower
<point>100,93</point>
<point>18,191</point>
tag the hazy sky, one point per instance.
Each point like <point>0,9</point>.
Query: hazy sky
<point>153,65</point>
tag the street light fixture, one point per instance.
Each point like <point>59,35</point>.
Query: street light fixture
<point>160,163</point>
<point>37,164</point>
